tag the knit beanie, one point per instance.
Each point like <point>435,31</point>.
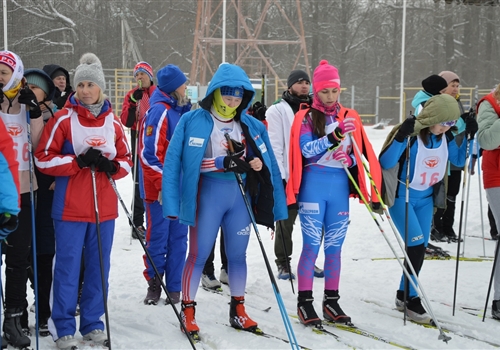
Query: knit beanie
<point>433,84</point>
<point>449,76</point>
<point>145,68</point>
<point>58,73</point>
<point>325,76</point>
<point>13,61</point>
<point>39,78</point>
<point>170,78</point>
<point>297,76</point>
<point>90,69</point>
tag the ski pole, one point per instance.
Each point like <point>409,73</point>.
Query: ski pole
<point>143,245</point>
<point>397,235</point>
<point>284,315</point>
<point>468,173</point>
<point>491,279</point>
<point>33,228</point>
<point>280,223</point>
<point>459,234</point>
<point>407,208</point>
<point>480,198</point>
<point>101,260</point>
<point>134,175</point>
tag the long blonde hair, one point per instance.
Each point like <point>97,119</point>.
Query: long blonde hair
<point>181,101</point>
<point>496,92</point>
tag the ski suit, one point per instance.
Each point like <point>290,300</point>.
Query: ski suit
<point>209,198</point>
<point>166,240</point>
<point>428,166</point>
<point>70,133</point>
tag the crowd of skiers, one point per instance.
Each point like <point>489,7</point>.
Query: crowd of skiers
<point>62,149</point>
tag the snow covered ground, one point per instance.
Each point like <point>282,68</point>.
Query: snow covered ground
<point>368,287</point>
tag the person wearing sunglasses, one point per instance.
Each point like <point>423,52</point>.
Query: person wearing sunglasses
<point>431,144</point>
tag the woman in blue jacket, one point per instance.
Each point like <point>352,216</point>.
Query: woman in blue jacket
<point>208,197</point>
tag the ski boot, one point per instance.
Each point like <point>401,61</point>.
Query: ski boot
<point>416,311</point>
<point>12,331</point>
<point>495,310</point>
<point>154,291</point>
<point>68,342</point>
<point>305,309</point>
<point>238,317</point>
<point>187,314</point>
<point>331,308</point>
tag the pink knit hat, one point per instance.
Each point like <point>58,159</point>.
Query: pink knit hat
<point>325,76</point>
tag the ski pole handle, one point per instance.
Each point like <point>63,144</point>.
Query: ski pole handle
<point>230,146</point>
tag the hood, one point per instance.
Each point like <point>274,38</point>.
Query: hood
<point>233,76</point>
<point>438,109</point>
<point>52,87</point>
<point>420,97</point>
<point>51,68</point>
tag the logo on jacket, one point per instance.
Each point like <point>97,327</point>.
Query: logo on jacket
<point>149,131</point>
<point>308,208</point>
<point>14,129</point>
<point>431,162</point>
<point>95,141</point>
<point>196,142</point>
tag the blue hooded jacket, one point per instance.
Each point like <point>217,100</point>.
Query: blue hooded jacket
<point>187,149</point>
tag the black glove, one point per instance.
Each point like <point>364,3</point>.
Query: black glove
<point>90,157</point>
<point>1,96</point>
<point>8,223</point>
<point>406,129</point>
<point>471,127</point>
<point>137,95</point>
<point>259,111</point>
<point>104,165</point>
<point>27,97</point>
<point>449,135</point>
<point>238,148</point>
<point>235,164</point>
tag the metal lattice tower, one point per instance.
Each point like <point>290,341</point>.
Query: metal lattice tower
<point>248,42</point>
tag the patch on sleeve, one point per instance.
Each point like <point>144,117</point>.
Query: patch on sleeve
<point>263,147</point>
<point>149,131</point>
<point>196,142</point>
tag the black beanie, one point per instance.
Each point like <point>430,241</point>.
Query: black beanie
<point>434,84</point>
<point>296,76</point>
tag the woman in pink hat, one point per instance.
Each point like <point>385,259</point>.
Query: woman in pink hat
<point>321,154</point>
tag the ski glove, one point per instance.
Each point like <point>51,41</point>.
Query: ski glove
<point>471,127</point>
<point>406,129</point>
<point>343,158</point>
<point>137,95</point>
<point>238,148</point>
<point>1,96</point>
<point>8,223</point>
<point>235,164</point>
<point>27,97</point>
<point>259,111</point>
<point>104,165</point>
<point>90,157</point>
<point>346,126</point>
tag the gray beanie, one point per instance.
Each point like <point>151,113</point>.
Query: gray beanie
<point>90,69</point>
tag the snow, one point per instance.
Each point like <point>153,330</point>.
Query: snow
<point>136,326</point>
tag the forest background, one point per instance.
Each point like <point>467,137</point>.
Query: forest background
<point>361,37</point>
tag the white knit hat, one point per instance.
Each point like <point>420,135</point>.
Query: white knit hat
<point>90,69</point>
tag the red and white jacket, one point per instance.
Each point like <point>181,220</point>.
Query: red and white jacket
<point>70,133</point>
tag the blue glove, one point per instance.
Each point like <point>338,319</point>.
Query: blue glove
<point>8,224</point>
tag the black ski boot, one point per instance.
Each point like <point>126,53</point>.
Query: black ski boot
<point>12,330</point>
<point>331,308</point>
<point>305,309</point>
<point>495,309</point>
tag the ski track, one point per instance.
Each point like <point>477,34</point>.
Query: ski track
<point>134,325</point>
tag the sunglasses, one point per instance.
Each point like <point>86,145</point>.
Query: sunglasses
<point>449,123</point>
